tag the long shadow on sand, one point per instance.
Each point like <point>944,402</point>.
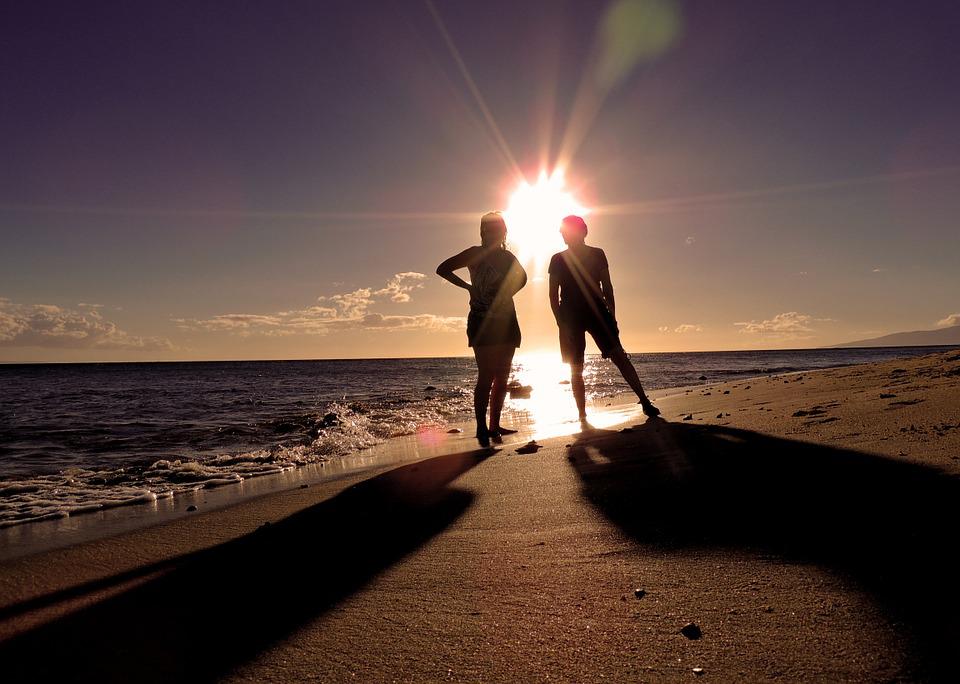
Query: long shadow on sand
<point>889,526</point>
<point>215,609</point>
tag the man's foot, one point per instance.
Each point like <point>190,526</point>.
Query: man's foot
<point>483,437</point>
<point>501,431</point>
<point>649,409</point>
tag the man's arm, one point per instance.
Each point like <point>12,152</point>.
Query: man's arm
<point>606,288</point>
<point>554,288</point>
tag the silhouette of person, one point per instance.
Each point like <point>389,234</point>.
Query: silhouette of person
<point>581,296</point>
<point>492,328</point>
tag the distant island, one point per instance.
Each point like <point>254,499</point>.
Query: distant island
<point>917,338</point>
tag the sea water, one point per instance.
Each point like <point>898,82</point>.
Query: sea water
<point>77,438</point>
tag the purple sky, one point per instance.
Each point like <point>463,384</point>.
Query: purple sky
<point>246,180</point>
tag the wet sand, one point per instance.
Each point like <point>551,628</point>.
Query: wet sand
<point>806,523</point>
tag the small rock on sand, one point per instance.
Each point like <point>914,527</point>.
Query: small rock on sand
<point>691,630</point>
<point>191,509</point>
<point>689,416</point>
<point>886,395</point>
<point>429,388</point>
<point>702,377</point>
<point>639,593</point>
<point>719,415</point>
<point>530,447</point>
<point>726,391</point>
<point>454,431</point>
<point>698,671</point>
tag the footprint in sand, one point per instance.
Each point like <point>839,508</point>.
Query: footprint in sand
<point>893,405</point>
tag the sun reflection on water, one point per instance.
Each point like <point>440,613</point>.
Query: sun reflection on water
<point>549,409</point>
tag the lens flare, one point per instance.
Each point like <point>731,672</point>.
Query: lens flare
<point>534,213</point>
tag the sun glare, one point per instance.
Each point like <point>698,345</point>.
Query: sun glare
<point>533,217</point>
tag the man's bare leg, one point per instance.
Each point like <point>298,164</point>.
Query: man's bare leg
<point>629,373</point>
<point>579,391</point>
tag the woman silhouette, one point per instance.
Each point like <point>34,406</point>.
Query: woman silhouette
<point>492,327</point>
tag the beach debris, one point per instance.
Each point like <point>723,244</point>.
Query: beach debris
<point>887,395</point>
<point>530,447</point>
<point>702,377</point>
<point>689,416</point>
<point>454,431</point>
<point>331,419</point>
<point>691,630</point>
<point>639,593</point>
<point>429,388</point>
<point>698,671</point>
<point>191,508</point>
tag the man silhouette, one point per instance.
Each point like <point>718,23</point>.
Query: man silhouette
<point>581,296</point>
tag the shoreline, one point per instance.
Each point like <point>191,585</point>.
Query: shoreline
<point>19,539</point>
<point>803,524</point>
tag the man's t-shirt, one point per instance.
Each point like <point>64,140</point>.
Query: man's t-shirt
<point>579,278</point>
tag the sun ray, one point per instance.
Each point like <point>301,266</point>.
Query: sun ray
<point>671,204</point>
<point>501,142</point>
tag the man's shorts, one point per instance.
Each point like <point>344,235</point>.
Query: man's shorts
<point>573,339</point>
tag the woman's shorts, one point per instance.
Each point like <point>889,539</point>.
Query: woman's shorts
<point>487,331</point>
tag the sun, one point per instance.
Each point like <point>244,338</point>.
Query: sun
<point>533,217</point>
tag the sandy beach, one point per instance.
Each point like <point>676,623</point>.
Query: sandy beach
<point>805,523</point>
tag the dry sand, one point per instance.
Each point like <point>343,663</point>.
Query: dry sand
<point>806,524</point>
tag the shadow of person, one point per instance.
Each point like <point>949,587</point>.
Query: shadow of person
<point>217,608</point>
<point>888,525</point>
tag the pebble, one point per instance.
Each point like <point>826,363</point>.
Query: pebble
<point>698,671</point>
<point>191,509</point>
<point>726,391</point>
<point>639,593</point>
<point>703,377</point>
<point>304,486</point>
<point>429,388</point>
<point>691,630</point>
<point>720,415</point>
<point>454,431</point>
<point>530,447</point>
<point>689,416</point>
<point>885,395</point>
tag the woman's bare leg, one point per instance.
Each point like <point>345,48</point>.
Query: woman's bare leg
<point>481,391</point>
<point>502,365</point>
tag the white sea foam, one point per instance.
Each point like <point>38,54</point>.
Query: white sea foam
<point>342,429</point>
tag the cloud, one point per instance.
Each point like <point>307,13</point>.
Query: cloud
<point>46,325</point>
<point>337,312</point>
<point>682,328</point>
<point>950,320</point>
<point>789,325</point>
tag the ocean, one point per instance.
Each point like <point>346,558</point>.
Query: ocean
<point>80,438</point>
